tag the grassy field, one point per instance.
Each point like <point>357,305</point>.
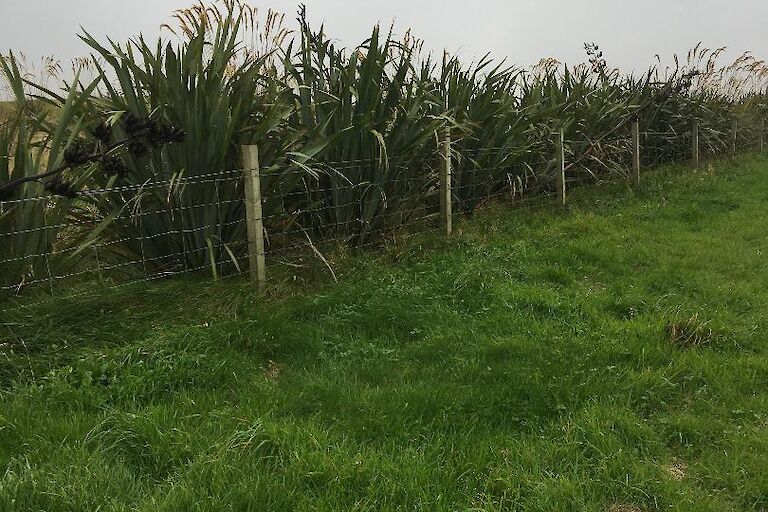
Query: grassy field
<point>611,357</point>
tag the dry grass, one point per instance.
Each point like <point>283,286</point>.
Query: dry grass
<point>690,333</point>
<point>272,371</point>
<point>677,469</point>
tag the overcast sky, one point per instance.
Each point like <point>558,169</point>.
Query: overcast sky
<point>629,32</point>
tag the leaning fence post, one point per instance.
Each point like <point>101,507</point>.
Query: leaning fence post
<point>446,203</point>
<point>636,150</point>
<point>560,158</point>
<point>695,144</point>
<point>253,215</point>
<point>734,133</point>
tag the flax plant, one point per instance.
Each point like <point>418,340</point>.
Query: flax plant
<point>348,138</point>
<point>376,118</point>
<point>182,208</point>
<point>39,221</point>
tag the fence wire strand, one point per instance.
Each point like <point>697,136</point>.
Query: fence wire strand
<point>182,225</point>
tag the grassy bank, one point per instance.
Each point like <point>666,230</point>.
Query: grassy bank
<point>608,358</point>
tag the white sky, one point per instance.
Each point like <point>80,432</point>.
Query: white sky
<point>629,32</point>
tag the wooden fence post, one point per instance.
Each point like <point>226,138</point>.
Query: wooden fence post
<point>254,216</point>
<point>695,144</point>
<point>446,198</point>
<point>560,169</point>
<point>762,135</point>
<point>636,151</point>
<point>734,134</point>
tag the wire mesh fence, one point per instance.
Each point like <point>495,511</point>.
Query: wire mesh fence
<point>123,234</point>
<point>141,232</point>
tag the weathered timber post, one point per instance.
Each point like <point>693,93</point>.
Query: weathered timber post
<point>254,216</point>
<point>695,144</point>
<point>636,151</point>
<point>446,196</point>
<point>560,162</point>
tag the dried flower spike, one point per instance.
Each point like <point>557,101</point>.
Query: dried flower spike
<point>137,147</point>
<point>78,153</point>
<point>57,186</point>
<point>7,194</point>
<point>103,133</point>
<point>113,166</point>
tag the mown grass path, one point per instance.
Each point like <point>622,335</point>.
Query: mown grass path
<point>527,364</point>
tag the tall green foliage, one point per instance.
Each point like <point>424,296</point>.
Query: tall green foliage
<point>37,230</point>
<point>188,209</point>
<point>377,119</point>
<point>348,138</point>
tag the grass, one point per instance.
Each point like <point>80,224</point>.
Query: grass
<point>530,363</point>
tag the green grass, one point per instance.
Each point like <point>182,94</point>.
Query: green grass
<point>526,364</point>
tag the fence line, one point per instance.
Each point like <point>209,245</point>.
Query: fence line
<point>239,221</point>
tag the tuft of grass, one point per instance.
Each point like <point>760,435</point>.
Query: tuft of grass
<point>690,333</point>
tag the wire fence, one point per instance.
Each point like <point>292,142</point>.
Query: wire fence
<point>132,233</point>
